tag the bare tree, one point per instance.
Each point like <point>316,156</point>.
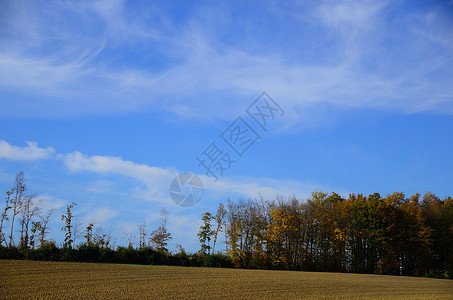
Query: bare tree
<point>142,234</point>
<point>131,238</point>
<point>30,207</point>
<point>77,230</point>
<point>16,201</point>
<point>164,217</point>
<point>219,218</point>
<point>43,228</point>
<point>101,238</point>
<point>5,215</point>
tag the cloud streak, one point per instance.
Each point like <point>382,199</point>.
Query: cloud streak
<point>147,189</point>
<point>358,59</point>
<point>28,153</point>
<point>157,179</point>
<point>152,182</point>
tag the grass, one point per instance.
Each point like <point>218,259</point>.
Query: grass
<point>55,280</point>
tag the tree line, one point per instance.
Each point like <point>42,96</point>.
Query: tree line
<point>395,235</point>
<point>24,210</point>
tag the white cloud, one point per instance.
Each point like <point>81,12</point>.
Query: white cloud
<point>76,77</point>
<point>151,184</point>
<point>77,161</point>
<point>157,180</point>
<point>27,153</point>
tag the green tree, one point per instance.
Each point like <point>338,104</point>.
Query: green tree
<point>68,241</point>
<point>205,233</point>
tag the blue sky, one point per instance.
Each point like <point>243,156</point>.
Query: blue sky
<point>104,102</point>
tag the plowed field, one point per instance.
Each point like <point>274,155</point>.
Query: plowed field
<point>56,280</point>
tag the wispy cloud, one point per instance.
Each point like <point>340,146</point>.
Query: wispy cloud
<point>77,161</point>
<point>152,182</point>
<point>157,180</point>
<point>358,15</point>
<point>358,59</point>
<point>27,153</point>
<point>150,185</point>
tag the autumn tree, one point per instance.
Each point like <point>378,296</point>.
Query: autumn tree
<point>415,238</point>
<point>89,234</point>
<point>277,237</point>
<point>368,234</point>
<point>439,219</point>
<point>159,237</point>
<point>219,219</point>
<point>34,231</point>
